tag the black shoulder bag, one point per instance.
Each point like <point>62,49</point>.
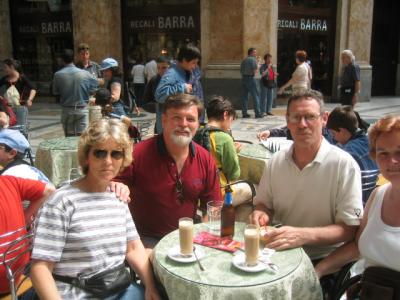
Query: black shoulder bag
<point>268,83</point>
<point>380,283</point>
<point>103,284</point>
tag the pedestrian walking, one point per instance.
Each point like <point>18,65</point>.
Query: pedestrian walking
<point>248,70</point>
<point>267,85</point>
<point>350,82</point>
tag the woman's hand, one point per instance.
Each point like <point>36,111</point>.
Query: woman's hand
<point>29,102</point>
<point>137,110</point>
<point>151,294</point>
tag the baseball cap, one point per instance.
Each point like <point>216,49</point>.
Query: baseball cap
<point>83,46</point>
<point>14,139</point>
<point>108,63</point>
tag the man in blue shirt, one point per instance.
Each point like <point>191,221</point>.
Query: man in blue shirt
<point>343,125</point>
<point>176,79</point>
<point>74,87</point>
<point>248,70</point>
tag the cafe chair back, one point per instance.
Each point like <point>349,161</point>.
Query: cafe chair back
<point>250,184</point>
<point>13,248</point>
<point>129,98</point>
<point>24,129</point>
<point>348,288</point>
<point>369,179</point>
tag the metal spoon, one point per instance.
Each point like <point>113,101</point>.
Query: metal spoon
<point>271,265</point>
<point>198,261</point>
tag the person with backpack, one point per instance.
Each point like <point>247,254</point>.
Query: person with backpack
<point>216,138</point>
<point>17,89</point>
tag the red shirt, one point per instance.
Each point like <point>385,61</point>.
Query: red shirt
<point>12,191</point>
<point>152,178</point>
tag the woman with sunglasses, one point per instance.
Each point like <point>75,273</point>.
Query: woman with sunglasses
<point>85,231</point>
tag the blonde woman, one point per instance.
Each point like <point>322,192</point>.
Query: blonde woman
<point>85,234</point>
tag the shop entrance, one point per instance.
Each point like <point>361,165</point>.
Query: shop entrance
<point>158,27</point>
<point>40,30</point>
<point>385,47</point>
<point>310,26</point>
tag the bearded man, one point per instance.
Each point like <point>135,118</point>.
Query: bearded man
<point>170,173</point>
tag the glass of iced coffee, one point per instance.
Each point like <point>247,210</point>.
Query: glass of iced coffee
<point>186,235</point>
<point>251,244</point>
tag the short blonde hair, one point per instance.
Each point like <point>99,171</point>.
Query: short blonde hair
<point>383,125</point>
<point>100,131</point>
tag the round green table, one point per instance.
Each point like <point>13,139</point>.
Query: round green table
<point>221,280</point>
<point>56,157</point>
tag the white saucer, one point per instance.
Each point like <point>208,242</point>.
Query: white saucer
<point>239,261</point>
<point>175,254</point>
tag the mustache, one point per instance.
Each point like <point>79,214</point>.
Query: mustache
<point>185,130</point>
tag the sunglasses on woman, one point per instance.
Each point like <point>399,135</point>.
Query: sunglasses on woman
<point>102,154</point>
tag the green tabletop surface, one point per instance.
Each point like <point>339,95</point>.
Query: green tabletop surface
<point>222,280</point>
<point>64,143</point>
<point>56,157</point>
<point>252,160</point>
<point>257,151</point>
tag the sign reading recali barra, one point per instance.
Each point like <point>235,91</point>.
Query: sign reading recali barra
<point>303,24</point>
<point>164,23</point>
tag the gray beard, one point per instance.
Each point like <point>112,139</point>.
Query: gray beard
<point>181,140</point>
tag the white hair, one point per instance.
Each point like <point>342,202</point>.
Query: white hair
<point>349,54</point>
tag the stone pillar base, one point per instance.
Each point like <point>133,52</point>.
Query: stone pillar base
<point>366,82</point>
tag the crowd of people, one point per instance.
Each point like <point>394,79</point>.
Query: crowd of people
<point>140,191</point>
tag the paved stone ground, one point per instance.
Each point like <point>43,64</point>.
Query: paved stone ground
<point>44,119</point>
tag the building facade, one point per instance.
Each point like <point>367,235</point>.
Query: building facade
<point>138,30</point>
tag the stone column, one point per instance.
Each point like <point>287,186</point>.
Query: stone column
<point>228,29</point>
<point>98,23</point>
<point>260,19</point>
<point>353,31</point>
<point>5,31</point>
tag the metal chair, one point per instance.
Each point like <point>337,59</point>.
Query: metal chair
<point>16,246</point>
<point>342,289</point>
<point>25,131</point>
<point>250,184</point>
<point>369,179</point>
<point>245,208</point>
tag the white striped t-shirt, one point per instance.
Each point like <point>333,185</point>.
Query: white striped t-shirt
<point>83,233</point>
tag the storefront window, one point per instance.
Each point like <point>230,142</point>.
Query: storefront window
<point>312,30</point>
<point>40,30</point>
<point>160,29</point>
<point>306,3</point>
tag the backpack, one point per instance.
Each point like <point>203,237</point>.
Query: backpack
<point>13,96</point>
<point>202,136</point>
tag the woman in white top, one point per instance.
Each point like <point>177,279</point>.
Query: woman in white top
<point>378,238</point>
<point>138,82</point>
<point>301,77</point>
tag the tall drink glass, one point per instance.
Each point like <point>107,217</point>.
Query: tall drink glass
<point>251,244</point>
<point>214,216</point>
<point>186,235</point>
